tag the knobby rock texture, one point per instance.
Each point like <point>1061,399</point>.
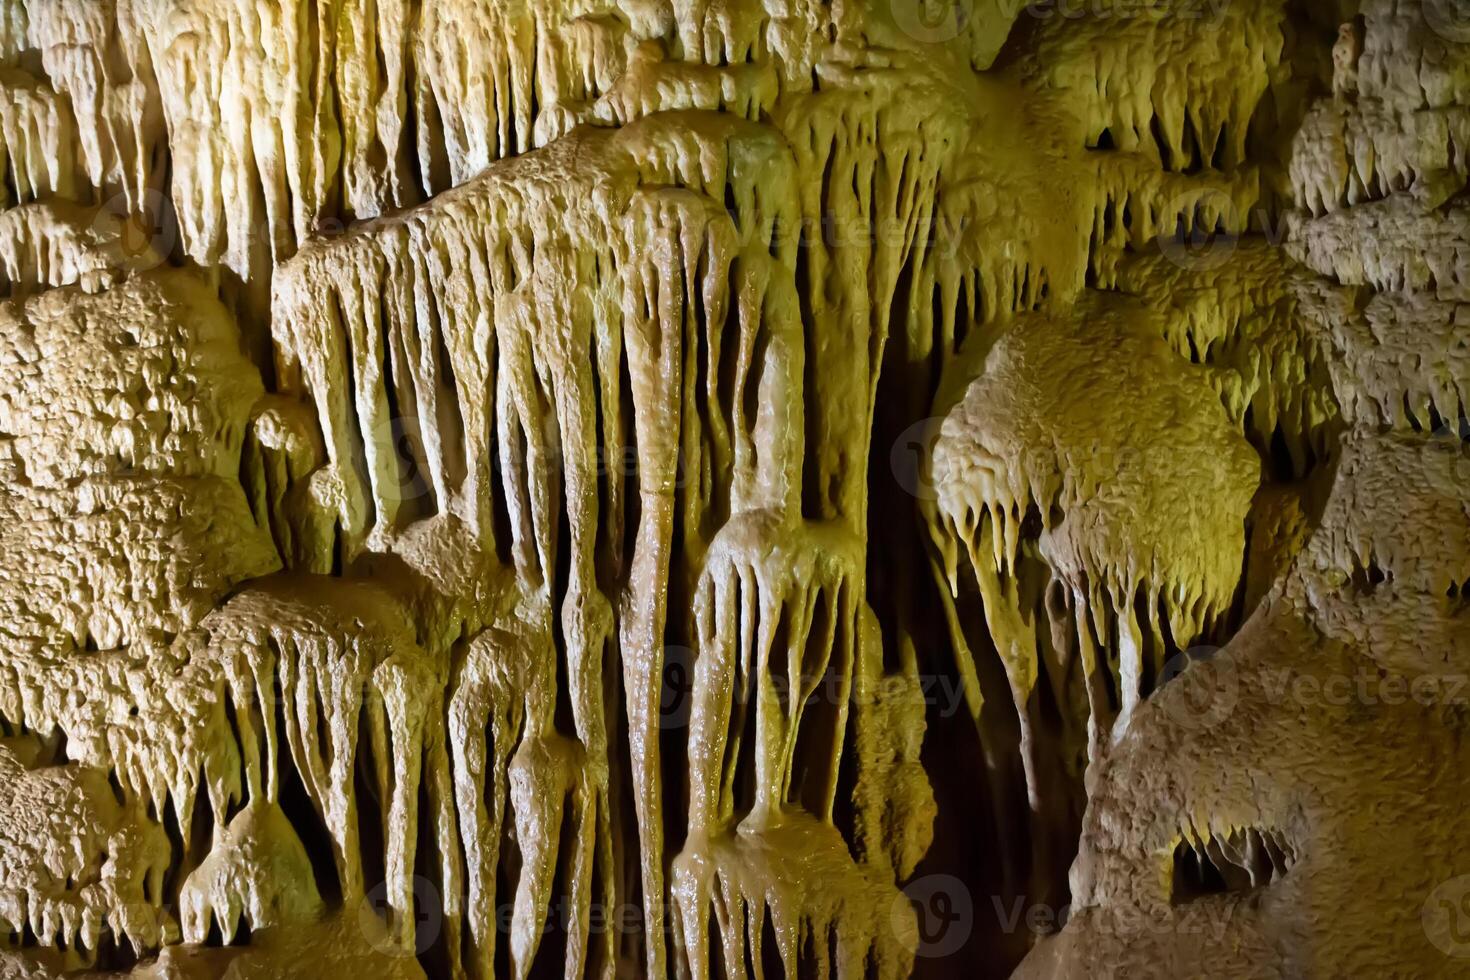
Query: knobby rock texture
<point>741,488</point>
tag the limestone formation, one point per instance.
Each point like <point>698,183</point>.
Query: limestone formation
<point>734,488</point>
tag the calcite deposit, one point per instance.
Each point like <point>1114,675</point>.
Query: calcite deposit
<point>736,488</point>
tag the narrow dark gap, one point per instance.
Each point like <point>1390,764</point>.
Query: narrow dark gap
<point>809,948</point>
<point>1195,875</point>
<point>844,810</point>
<point>505,879</point>
<point>182,858</point>
<point>429,894</point>
<point>325,90</point>
<point>1032,578</point>
<point>813,777</point>
<point>1368,577</point>
<point>1436,421</point>
<point>1246,860</point>
<point>726,376</point>
<point>731,205</point>
<point>409,142</point>
<point>371,834</point>
<point>1410,415</point>
<point>1192,145</point>
<point>968,311</point>
<point>551,953</point>
<point>116,786</point>
<point>56,747</point>
<point>781,640</point>
<point>673,741</point>
<point>898,302</point>
<point>413,492</point>
<point>605,459</point>
<point>505,440</point>
<point>1236,615</point>
<point>1152,658</point>
<point>632,499</point>
<point>215,938</point>
<point>234,725</point>
<point>697,384</point>
<point>741,745</point>
<point>298,808</point>
<point>251,474</point>
<point>627,943</point>
<point>1194,353</point>
<point>111,954</point>
<point>12,173</point>
<point>565,718</point>
<point>532,89</point>
<point>755,372</point>
<point>1284,465</point>
<point>452,436</point>
<point>1161,143</point>
<point>201,830</point>
<point>339,549</point>
<point>355,437</point>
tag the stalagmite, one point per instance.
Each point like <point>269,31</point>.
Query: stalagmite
<point>732,487</point>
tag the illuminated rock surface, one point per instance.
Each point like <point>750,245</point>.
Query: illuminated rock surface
<point>721,488</point>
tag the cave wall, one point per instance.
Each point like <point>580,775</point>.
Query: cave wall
<point>734,488</point>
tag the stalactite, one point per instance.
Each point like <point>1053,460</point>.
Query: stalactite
<point>57,244</point>
<point>1073,530</point>
<point>1253,322</point>
<point>401,403</point>
<point>66,879</point>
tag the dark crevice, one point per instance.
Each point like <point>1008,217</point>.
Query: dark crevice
<point>1246,859</point>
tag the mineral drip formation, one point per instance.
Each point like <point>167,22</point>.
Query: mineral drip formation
<point>668,487</point>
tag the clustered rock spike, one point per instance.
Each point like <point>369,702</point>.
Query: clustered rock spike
<point>445,528</point>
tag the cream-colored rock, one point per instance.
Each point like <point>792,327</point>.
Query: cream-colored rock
<point>1127,480</point>
<point>445,527</point>
<point>256,870</point>
<point>75,860</point>
<point>123,413</point>
<point>1279,768</point>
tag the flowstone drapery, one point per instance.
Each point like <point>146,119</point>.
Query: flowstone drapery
<point>663,487</point>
